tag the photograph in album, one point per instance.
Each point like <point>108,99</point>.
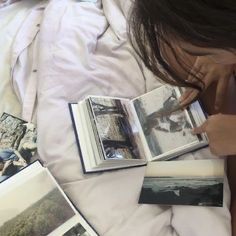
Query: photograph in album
<point>114,133</point>
<point>42,213</point>
<point>18,144</point>
<point>164,130</point>
<point>113,125</point>
<point>32,203</point>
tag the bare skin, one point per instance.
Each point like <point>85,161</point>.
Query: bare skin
<point>221,133</point>
<point>228,107</point>
<point>219,74</point>
<point>217,98</point>
<point>217,66</point>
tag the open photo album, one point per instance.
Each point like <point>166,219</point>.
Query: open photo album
<point>185,182</point>
<point>18,144</point>
<point>32,203</point>
<point>115,133</point>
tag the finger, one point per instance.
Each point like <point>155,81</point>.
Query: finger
<point>221,90</point>
<point>199,73</point>
<point>189,98</point>
<point>194,74</point>
<point>185,95</point>
<point>200,129</point>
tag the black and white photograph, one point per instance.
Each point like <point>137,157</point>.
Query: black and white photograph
<point>33,208</point>
<point>18,144</point>
<point>190,182</point>
<point>115,127</point>
<point>160,117</point>
<point>12,129</point>
<point>77,230</point>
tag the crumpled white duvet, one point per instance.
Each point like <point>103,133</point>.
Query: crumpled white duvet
<point>82,49</point>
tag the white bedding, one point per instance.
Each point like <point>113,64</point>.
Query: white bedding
<point>11,19</point>
<point>82,49</point>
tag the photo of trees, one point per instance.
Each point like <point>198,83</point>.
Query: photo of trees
<point>34,209</point>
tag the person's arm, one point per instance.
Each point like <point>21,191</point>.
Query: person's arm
<point>221,132</point>
<point>228,107</point>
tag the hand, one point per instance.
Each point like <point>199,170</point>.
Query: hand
<point>221,132</point>
<point>209,72</point>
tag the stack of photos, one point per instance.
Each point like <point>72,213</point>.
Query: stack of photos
<point>32,203</point>
<point>189,182</point>
<point>17,144</point>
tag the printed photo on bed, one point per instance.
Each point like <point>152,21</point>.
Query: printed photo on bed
<point>18,144</point>
<point>184,182</point>
<point>115,133</point>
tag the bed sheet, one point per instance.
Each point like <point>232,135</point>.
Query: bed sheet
<point>71,49</point>
<point>11,19</point>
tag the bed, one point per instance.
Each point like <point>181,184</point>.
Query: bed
<point>56,52</point>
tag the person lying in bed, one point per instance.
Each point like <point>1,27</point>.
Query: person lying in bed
<point>194,42</point>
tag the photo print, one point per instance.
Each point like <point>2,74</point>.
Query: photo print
<point>17,144</point>
<point>159,115</point>
<point>33,208</point>
<point>190,182</point>
<point>77,230</point>
<point>115,128</point>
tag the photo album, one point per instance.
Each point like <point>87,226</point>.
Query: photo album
<point>18,144</point>
<point>32,203</point>
<point>185,182</point>
<point>114,133</point>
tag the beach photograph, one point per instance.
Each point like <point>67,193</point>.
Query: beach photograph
<point>190,182</point>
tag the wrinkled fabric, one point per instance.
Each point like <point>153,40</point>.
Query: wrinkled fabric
<point>11,19</point>
<point>80,49</point>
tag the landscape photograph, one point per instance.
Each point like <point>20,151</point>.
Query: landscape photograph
<point>185,182</point>
<point>182,191</point>
<point>12,130</point>
<point>116,128</point>
<point>33,208</point>
<point>18,144</point>
<point>160,116</point>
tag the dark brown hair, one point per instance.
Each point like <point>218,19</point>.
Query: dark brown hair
<point>204,23</point>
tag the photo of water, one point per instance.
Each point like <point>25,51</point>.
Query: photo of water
<point>198,191</point>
